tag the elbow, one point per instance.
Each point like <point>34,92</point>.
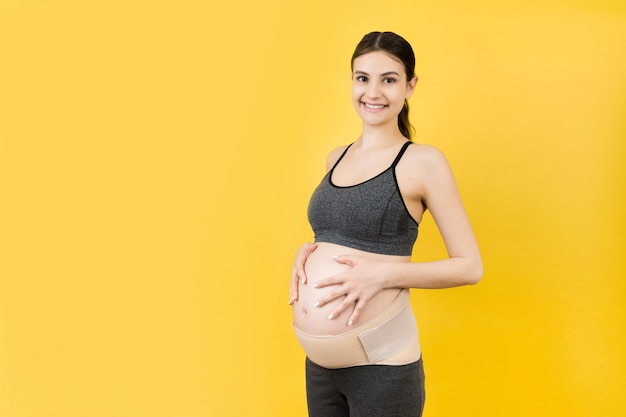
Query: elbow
<point>474,273</point>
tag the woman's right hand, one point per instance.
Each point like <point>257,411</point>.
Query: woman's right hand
<point>297,271</point>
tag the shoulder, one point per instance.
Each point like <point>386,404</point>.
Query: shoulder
<point>425,167</point>
<point>334,156</point>
<point>431,172</point>
<point>426,156</point>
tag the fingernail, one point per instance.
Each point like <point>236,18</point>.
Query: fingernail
<point>350,323</point>
<point>314,285</point>
<point>331,316</point>
<point>335,256</point>
<point>316,304</point>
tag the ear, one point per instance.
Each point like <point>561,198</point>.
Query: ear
<point>411,87</point>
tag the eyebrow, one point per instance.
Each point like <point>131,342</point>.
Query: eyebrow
<point>384,74</point>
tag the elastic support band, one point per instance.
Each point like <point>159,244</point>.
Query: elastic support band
<point>389,338</point>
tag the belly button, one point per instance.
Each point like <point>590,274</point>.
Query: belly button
<point>304,311</point>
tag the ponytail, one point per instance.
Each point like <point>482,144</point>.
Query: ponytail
<point>403,122</point>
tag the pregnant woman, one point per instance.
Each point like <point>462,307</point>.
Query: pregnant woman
<point>350,289</point>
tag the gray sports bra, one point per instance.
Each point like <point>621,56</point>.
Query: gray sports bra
<point>370,216</point>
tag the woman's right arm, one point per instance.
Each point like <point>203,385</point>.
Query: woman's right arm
<point>297,272</point>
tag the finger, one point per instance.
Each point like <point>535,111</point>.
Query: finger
<point>330,297</point>
<point>342,259</point>
<point>293,287</point>
<point>298,275</point>
<point>310,248</point>
<point>301,275</point>
<point>356,312</point>
<point>347,302</point>
<point>300,261</point>
<point>293,296</point>
<point>326,282</point>
<point>307,249</point>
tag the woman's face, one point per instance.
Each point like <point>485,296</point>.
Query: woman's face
<point>379,88</point>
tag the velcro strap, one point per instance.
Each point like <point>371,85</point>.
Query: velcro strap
<point>387,339</point>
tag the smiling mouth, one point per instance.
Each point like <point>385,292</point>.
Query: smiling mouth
<point>374,106</point>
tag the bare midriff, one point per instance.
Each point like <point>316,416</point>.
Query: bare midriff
<point>321,264</point>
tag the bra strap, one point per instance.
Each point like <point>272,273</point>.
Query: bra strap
<point>406,145</point>
<point>340,158</point>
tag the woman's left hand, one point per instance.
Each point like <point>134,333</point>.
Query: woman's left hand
<point>358,285</point>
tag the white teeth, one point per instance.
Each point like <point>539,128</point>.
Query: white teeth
<point>374,106</point>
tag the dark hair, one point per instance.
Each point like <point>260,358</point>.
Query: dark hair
<point>399,48</point>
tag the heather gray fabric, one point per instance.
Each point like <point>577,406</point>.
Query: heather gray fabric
<point>370,216</point>
<point>365,391</point>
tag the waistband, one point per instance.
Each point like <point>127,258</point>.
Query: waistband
<point>389,338</point>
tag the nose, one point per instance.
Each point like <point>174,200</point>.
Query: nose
<point>373,90</point>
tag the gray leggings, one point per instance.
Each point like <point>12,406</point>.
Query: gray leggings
<point>365,391</point>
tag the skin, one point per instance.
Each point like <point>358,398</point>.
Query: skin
<point>426,182</point>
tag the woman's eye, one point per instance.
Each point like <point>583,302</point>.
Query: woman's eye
<point>389,80</point>
<point>361,78</point>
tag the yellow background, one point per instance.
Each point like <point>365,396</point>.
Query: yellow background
<point>156,159</point>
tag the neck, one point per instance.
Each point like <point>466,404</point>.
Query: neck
<point>376,136</point>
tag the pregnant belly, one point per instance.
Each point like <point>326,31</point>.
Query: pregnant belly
<point>321,264</point>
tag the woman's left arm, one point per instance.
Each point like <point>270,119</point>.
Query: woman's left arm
<point>435,186</point>
<point>437,189</point>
